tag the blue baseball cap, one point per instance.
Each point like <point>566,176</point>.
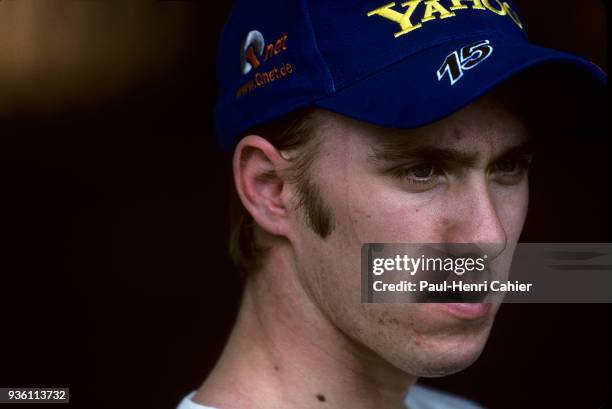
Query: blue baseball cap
<point>394,64</point>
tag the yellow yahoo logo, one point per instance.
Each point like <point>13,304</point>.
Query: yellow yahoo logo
<point>432,8</point>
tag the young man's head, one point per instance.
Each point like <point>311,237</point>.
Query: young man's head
<point>460,180</point>
<point>400,138</point>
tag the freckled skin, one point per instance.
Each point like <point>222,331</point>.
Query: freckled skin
<point>422,340</point>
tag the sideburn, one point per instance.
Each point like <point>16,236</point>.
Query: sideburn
<point>318,215</point>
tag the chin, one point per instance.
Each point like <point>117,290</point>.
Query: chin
<point>441,365</point>
<point>434,354</point>
<point>444,354</point>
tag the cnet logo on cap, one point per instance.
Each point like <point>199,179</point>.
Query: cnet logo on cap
<point>254,47</point>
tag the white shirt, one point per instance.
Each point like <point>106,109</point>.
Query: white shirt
<point>420,397</point>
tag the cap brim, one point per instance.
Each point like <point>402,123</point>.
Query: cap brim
<point>408,94</point>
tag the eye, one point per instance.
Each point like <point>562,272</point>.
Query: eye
<point>420,173</point>
<point>510,171</point>
<point>508,166</point>
<point>423,176</point>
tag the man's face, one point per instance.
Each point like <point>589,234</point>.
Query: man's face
<point>460,180</point>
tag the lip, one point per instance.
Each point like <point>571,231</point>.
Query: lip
<point>466,311</point>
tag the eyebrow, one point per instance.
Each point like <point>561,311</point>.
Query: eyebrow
<point>396,152</point>
<point>525,148</point>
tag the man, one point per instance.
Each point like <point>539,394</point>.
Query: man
<point>357,122</point>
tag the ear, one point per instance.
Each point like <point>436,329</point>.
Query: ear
<point>257,167</point>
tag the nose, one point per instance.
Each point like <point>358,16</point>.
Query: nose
<point>474,218</point>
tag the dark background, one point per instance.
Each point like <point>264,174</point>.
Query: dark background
<point>114,278</point>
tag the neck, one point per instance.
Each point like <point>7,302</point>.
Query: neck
<point>283,352</point>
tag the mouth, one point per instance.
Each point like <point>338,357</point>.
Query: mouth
<point>464,305</point>
<point>453,296</point>
<point>472,287</point>
<point>465,311</point>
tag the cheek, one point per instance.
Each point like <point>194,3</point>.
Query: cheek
<point>379,214</point>
<point>511,206</point>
